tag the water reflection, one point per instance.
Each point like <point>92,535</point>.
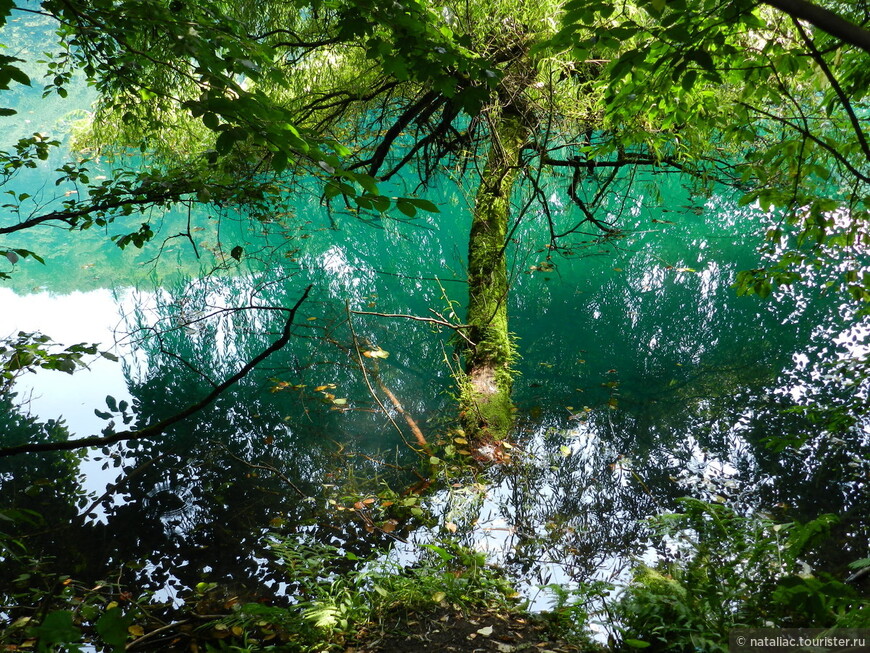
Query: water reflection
<point>643,379</point>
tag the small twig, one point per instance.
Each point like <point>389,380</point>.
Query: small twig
<point>456,327</point>
<point>268,468</point>
<point>138,640</point>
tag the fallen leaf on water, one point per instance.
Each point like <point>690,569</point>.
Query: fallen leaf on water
<point>376,353</point>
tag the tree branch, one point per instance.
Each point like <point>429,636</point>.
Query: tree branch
<point>160,427</point>
<point>825,20</point>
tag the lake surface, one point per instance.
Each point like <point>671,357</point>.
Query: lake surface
<point>642,378</point>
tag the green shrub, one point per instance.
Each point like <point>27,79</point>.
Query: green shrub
<point>719,571</point>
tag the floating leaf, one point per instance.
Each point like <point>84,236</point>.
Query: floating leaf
<point>376,353</point>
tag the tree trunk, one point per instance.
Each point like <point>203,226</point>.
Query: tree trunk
<point>486,407</point>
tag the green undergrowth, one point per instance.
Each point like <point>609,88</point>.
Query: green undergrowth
<point>716,570</point>
<point>336,598</point>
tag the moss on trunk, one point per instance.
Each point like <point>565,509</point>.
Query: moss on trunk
<point>486,404</point>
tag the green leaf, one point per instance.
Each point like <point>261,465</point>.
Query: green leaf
<point>57,628</point>
<point>636,643</point>
<point>211,121</point>
<point>112,627</point>
<point>425,205</point>
<point>406,207</point>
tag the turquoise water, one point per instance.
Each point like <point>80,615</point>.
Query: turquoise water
<point>642,378</point>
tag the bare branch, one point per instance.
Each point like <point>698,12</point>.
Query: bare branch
<point>162,426</point>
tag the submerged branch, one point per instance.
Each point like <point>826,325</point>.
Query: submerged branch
<point>418,434</point>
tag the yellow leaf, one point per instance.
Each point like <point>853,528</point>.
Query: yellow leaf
<point>321,388</point>
<point>460,440</point>
<point>438,597</point>
<point>238,630</point>
<point>339,402</point>
<point>450,526</point>
<point>376,353</point>
<point>136,630</point>
<point>310,319</point>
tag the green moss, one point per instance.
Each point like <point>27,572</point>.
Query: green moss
<point>486,403</point>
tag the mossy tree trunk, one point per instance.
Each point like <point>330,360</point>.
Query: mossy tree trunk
<point>487,408</point>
